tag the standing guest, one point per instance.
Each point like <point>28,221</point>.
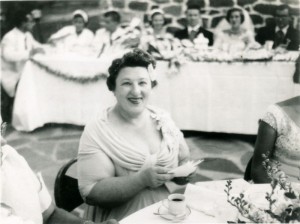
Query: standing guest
<point>194,28</point>
<point>279,136</point>
<point>112,37</point>
<point>157,41</point>
<point>281,33</point>
<point>24,196</point>
<point>76,37</point>
<point>126,152</point>
<point>17,46</point>
<point>237,37</point>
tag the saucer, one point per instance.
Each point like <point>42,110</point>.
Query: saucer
<point>163,212</point>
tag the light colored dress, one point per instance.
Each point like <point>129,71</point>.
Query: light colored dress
<point>99,137</point>
<point>228,41</point>
<point>287,145</point>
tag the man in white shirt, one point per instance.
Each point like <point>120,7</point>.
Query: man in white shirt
<point>113,38</point>
<point>17,46</point>
<point>24,196</point>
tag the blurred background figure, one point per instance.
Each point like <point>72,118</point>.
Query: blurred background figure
<point>17,46</point>
<point>75,37</point>
<point>282,34</point>
<point>156,40</point>
<point>194,26</point>
<point>236,32</point>
<point>278,135</point>
<point>112,38</point>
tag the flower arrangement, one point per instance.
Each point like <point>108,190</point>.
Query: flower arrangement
<point>283,200</point>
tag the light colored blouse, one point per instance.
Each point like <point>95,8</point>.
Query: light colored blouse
<point>67,38</point>
<point>165,43</point>
<point>99,137</point>
<point>287,145</point>
<point>22,192</point>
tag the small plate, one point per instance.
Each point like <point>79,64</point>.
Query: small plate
<point>164,213</point>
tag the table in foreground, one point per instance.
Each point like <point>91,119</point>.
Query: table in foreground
<point>201,198</point>
<point>203,96</point>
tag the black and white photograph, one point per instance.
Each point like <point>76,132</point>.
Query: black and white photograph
<point>150,111</point>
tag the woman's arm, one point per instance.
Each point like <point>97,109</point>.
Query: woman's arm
<point>264,144</point>
<point>109,190</point>
<point>184,152</point>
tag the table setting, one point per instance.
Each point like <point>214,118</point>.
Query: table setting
<point>227,201</point>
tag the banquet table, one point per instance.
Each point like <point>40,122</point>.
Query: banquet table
<point>202,96</point>
<point>207,201</point>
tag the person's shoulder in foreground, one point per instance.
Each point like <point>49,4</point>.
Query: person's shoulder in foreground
<point>25,196</point>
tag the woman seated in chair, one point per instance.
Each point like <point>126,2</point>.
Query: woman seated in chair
<point>126,152</point>
<point>75,37</point>
<point>236,33</point>
<point>279,135</point>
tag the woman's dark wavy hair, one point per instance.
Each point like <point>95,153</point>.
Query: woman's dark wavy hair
<point>230,11</point>
<point>135,58</point>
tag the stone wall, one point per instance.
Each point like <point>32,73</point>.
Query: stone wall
<point>213,11</point>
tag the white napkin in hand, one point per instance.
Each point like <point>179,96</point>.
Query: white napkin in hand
<point>185,169</point>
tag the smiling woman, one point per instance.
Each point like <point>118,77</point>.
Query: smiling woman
<point>126,153</point>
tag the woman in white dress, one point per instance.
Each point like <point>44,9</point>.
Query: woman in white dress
<point>279,135</point>
<point>157,41</point>
<point>126,152</point>
<point>234,36</point>
<point>75,37</point>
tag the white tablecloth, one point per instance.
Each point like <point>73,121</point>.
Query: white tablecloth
<point>204,196</point>
<point>213,97</point>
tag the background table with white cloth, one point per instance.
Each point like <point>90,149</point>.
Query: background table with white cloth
<point>203,96</point>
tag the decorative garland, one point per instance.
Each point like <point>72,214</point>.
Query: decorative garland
<point>68,77</point>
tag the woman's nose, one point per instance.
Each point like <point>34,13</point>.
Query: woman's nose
<point>135,89</point>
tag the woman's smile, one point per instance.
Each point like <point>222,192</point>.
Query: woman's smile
<point>135,100</point>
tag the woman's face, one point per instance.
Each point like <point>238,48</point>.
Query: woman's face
<point>158,21</point>
<point>79,24</point>
<point>235,19</point>
<point>133,87</point>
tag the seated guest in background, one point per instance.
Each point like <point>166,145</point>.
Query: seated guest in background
<point>75,37</point>
<point>24,196</point>
<point>126,152</point>
<point>112,37</point>
<point>279,135</point>
<point>17,46</point>
<point>156,40</point>
<point>235,37</point>
<point>194,28</point>
<point>282,32</point>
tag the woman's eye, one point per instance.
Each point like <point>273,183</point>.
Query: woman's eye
<point>125,83</point>
<point>143,83</point>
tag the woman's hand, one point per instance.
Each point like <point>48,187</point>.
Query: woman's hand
<point>155,176</point>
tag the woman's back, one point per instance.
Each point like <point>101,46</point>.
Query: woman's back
<point>284,118</point>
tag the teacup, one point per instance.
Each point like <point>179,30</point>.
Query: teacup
<point>176,204</point>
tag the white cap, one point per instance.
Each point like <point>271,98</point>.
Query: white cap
<point>82,14</point>
<point>153,11</point>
